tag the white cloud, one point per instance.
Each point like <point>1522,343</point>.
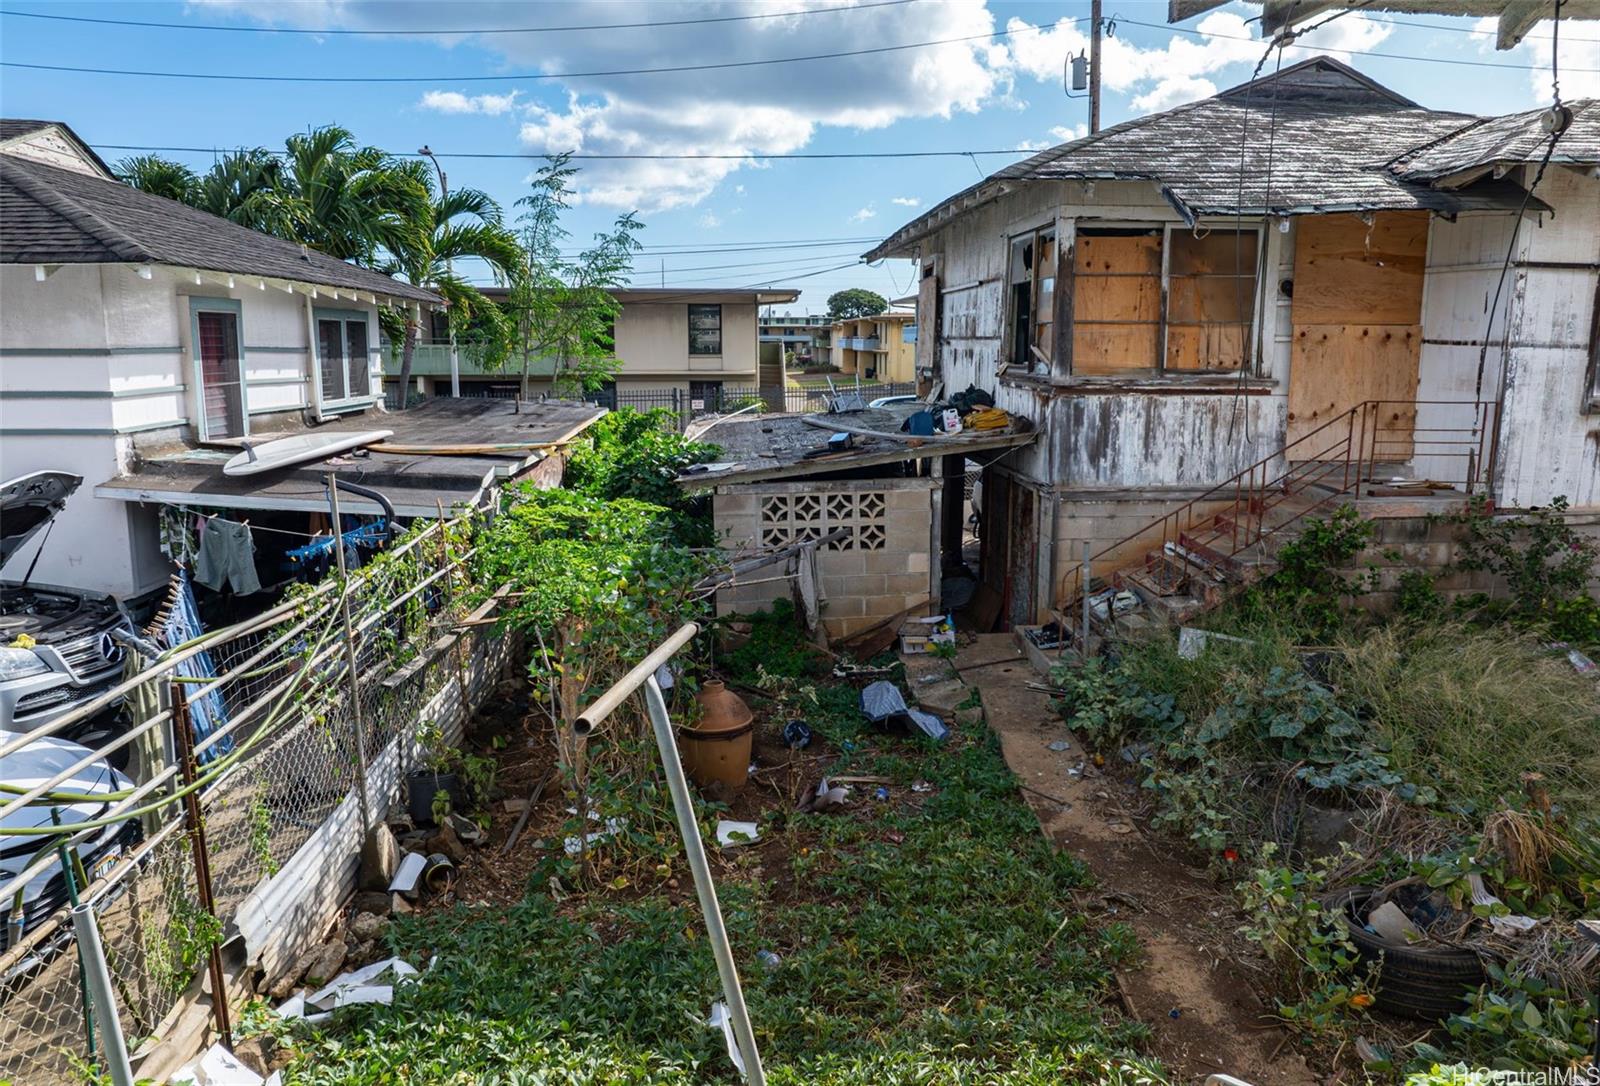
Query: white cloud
<point>868,212</point>
<point>1535,49</point>
<point>1034,145</point>
<point>709,221</point>
<point>738,190</point>
<point>456,102</point>
<point>907,201</point>
<point>1066,133</point>
<point>1351,30</point>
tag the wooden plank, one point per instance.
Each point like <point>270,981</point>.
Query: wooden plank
<point>1220,252</point>
<point>1334,367</point>
<point>1061,326</point>
<point>1138,254</point>
<point>1205,346</point>
<point>1348,273</point>
<point>1099,349</point>
<point>928,314</point>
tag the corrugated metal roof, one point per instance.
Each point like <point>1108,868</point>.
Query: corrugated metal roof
<point>55,216</point>
<point>1497,141</point>
<point>1317,137</point>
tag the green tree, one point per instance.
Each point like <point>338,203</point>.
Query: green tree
<point>563,307</point>
<point>856,302</point>
<point>463,225</point>
<point>159,177</point>
<point>350,201</point>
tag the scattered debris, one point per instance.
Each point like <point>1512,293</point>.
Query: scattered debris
<point>921,786</point>
<point>216,1066</point>
<point>1112,601</point>
<point>365,927</point>
<point>721,1019</point>
<point>825,797</point>
<point>408,876</point>
<point>1505,924</point>
<point>919,635</point>
<point>373,983</point>
<point>1193,642</point>
<point>769,958</point>
<point>380,855</point>
<point>882,701</point>
<point>330,956</point>
<point>574,845</point>
<point>466,829</point>
<point>1389,921</point>
<point>880,793</point>
<point>797,735</point>
<point>439,874</point>
<point>736,833</point>
<point>1060,745</point>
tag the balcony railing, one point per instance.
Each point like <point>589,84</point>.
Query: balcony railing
<point>432,359</point>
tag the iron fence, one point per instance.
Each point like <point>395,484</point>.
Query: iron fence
<point>311,713</point>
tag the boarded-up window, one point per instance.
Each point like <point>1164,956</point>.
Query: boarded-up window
<point>1116,301</point>
<point>1211,291</point>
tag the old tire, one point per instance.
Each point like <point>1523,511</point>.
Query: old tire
<point>1427,983</point>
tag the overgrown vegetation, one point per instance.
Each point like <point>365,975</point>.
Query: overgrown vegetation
<point>928,938</point>
<point>1448,742</point>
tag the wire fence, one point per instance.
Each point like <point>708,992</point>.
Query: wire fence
<point>302,723</point>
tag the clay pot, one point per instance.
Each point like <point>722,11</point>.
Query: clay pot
<point>717,750</point>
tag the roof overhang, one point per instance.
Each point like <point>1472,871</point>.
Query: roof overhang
<point>1516,17</point>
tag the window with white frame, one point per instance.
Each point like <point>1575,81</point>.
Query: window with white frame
<point>1163,298</point>
<point>343,359</point>
<point>215,339</point>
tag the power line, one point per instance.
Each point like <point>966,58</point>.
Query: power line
<point>688,249</point>
<point>453,31</point>
<point>782,262</point>
<point>150,149</point>
<point>526,76</point>
<point>1475,30</point>
<point>1348,52</point>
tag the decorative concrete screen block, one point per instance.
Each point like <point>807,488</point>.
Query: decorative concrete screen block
<point>795,518</point>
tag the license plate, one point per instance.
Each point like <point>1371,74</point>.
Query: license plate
<point>104,864</point>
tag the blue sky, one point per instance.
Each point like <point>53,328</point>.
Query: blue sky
<point>985,93</point>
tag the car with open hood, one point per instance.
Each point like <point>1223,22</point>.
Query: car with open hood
<point>59,647</point>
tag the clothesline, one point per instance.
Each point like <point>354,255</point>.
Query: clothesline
<point>261,527</point>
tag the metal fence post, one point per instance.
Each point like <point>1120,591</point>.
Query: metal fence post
<point>450,599</point>
<point>93,955</point>
<point>350,660</point>
<point>195,827</point>
<point>694,849</point>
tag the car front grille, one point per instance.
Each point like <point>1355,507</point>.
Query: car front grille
<point>86,656</point>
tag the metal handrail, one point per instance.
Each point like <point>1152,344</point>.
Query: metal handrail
<point>1342,465</point>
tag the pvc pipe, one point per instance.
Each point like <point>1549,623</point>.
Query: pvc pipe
<point>93,956</point>
<point>606,704</point>
<point>694,849</point>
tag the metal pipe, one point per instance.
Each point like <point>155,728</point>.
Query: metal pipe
<point>195,826</point>
<point>93,955</point>
<point>694,849</point>
<point>607,703</point>
<point>1084,575</point>
<point>359,727</point>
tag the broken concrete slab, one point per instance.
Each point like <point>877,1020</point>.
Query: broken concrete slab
<point>380,853</point>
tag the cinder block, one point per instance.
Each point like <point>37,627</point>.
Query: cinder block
<point>901,583</point>
<point>845,607</point>
<point>888,560</point>
<point>865,585</point>
<point>918,562</point>
<point>842,563</point>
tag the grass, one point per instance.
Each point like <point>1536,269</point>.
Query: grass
<point>918,935</point>
<point>1472,710</point>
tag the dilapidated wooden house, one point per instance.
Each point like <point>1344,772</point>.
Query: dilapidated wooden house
<point>1303,289</point>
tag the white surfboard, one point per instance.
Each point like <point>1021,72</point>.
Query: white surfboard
<point>286,452</point>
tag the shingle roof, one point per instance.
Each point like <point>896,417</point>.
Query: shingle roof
<point>55,216</point>
<point>1499,141</point>
<point>13,128</point>
<point>1314,138</point>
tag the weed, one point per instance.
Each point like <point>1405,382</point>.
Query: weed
<point>1546,565</point>
<point>1309,582</point>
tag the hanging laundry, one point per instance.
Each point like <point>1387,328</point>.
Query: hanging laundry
<point>176,624</point>
<point>179,538</point>
<point>315,558</point>
<point>227,555</point>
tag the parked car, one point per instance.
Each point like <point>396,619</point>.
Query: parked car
<point>46,892</point>
<point>890,401</point>
<point>57,648</point>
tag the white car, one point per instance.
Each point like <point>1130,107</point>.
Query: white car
<point>890,401</point>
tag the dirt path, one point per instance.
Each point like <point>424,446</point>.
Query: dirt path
<point>1199,1002</point>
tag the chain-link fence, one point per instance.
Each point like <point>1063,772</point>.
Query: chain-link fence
<point>291,732</point>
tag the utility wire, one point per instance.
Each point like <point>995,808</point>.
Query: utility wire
<point>1348,52</point>
<point>1474,30</point>
<point>529,76</point>
<point>439,31</point>
<point>147,148</point>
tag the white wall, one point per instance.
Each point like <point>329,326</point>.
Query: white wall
<point>96,364</point>
<point>652,338</point>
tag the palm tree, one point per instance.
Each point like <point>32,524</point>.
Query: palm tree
<point>248,187</point>
<point>462,225</point>
<point>159,177</point>
<point>352,202</point>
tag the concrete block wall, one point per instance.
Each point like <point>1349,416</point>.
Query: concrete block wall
<point>1103,522</point>
<point>861,588</point>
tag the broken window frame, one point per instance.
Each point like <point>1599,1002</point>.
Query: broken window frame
<point>1591,382</point>
<point>1040,333</point>
<point>1250,364</point>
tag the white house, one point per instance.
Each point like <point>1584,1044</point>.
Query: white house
<point>141,341</point>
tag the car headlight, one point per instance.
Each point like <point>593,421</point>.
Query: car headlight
<point>20,663</point>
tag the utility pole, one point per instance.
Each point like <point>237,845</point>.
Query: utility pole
<point>1094,65</point>
<point>444,192</point>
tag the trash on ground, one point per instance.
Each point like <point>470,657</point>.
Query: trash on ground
<point>1060,745</point>
<point>1389,921</point>
<point>1048,636</point>
<point>408,875</point>
<point>439,874</point>
<point>1193,642</point>
<point>721,1019</point>
<point>769,958</point>
<point>1508,924</point>
<point>466,829</point>
<point>1112,601</point>
<point>921,786</point>
<point>736,833</point>
<point>919,635</point>
<point>216,1066</point>
<point>825,797</point>
<point>797,735</point>
<point>1134,752</point>
<point>880,793</point>
<point>575,845</point>
<point>882,701</point>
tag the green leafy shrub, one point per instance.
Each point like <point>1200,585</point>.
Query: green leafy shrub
<point>633,455</point>
<point>1547,567</point>
<point>1310,582</point>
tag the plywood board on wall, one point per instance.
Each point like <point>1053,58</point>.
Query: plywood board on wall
<point>1336,366</point>
<point>1349,272</point>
